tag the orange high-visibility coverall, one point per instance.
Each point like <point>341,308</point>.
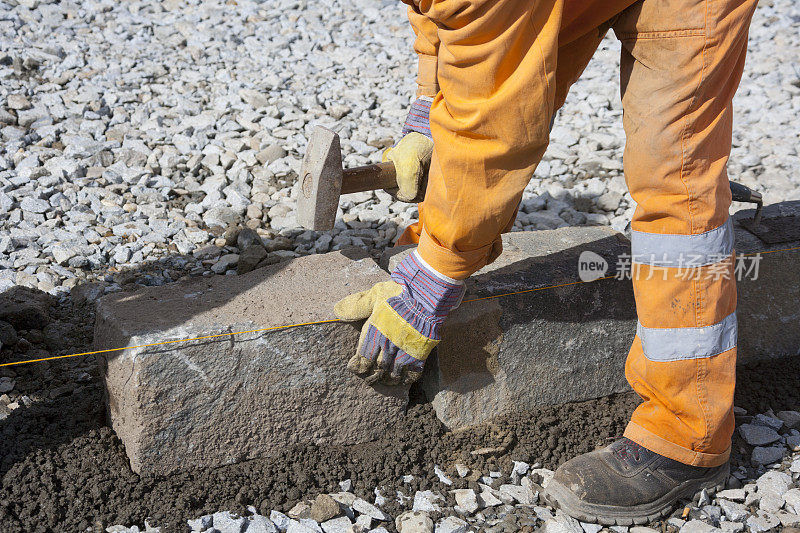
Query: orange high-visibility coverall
<point>499,70</point>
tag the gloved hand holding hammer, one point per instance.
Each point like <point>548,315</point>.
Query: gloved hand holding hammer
<point>412,155</point>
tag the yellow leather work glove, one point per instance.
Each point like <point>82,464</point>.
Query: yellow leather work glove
<point>404,317</point>
<point>412,159</point>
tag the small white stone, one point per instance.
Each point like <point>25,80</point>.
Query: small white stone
<point>518,471</point>
<point>341,524</point>
<point>545,474</point>
<point>792,499</point>
<point>731,527</point>
<point>424,501</point>
<point>713,513</point>
<point>201,524</point>
<point>514,494</point>
<point>734,495</point>
<point>18,101</point>
<point>300,510</point>
<point>466,500</point>
<point>452,524</point>
<point>441,475</point>
<point>364,507</point>
<point>774,483</point>
<point>762,522</point>
<point>697,526</point>
<point>752,496</point>
<point>733,511</point>
<point>364,521</point>
<point>561,523</point>
<point>788,519</point>
<point>770,503</point>
<point>280,520</point>
<point>34,205</point>
<point>226,522</point>
<point>345,498</point>
<point>304,525</point>
<point>462,470</point>
<point>531,488</point>
<point>591,528</point>
<point>414,522</point>
<point>260,524</point>
<point>488,496</point>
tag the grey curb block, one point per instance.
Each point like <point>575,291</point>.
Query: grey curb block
<point>224,400</point>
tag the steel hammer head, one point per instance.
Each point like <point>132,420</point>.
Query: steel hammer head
<point>320,181</point>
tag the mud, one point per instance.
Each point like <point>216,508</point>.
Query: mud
<point>63,470</point>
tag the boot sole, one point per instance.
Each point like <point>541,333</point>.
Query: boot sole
<point>558,496</point>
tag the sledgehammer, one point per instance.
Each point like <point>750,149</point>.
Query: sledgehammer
<point>323,180</point>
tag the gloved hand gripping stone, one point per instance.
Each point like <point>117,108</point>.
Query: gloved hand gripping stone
<point>404,318</point>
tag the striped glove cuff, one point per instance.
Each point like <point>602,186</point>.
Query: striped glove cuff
<point>417,119</point>
<point>427,296</point>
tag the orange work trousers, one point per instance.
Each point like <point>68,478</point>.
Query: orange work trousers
<point>499,70</point>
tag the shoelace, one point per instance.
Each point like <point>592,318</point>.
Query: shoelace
<point>627,449</point>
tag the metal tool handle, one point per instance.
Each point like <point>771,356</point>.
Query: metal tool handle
<point>369,178</point>
<point>742,193</point>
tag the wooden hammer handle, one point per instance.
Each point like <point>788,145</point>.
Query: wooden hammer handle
<point>369,178</point>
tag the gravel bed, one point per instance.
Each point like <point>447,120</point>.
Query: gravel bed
<point>138,131</point>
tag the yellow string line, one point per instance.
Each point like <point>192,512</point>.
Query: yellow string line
<point>329,321</point>
<point>273,328</point>
<point>171,342</point>
<point>535,289</point>
<point>771,251</point>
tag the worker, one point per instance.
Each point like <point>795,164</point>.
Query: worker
<point>492,74</point>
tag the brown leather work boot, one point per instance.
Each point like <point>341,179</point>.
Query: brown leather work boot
<point>627,484</point>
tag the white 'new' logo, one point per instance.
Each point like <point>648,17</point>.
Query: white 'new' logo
<point>591,266</point>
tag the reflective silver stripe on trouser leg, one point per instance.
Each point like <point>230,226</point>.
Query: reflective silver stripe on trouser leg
<point>676,344</point>
<point>685,251</point>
